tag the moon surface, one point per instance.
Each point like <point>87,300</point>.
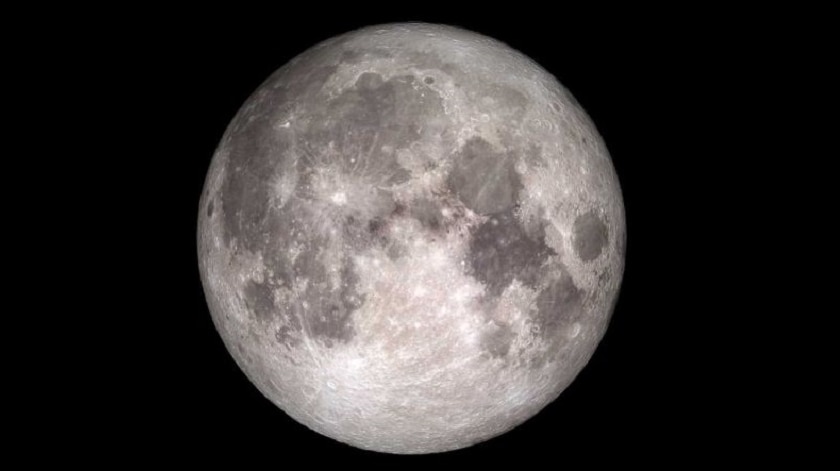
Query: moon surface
<point>411,238</point>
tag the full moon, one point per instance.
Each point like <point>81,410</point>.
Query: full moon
<point>411,238</point>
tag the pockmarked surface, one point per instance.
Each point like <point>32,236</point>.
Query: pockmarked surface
<point>411,238</point>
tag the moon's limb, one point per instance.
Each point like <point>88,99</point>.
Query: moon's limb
<point>411,238</point>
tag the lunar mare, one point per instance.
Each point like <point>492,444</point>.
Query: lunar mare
<point>411,238</point>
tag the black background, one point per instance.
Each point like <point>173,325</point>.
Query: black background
<point>670,100</point>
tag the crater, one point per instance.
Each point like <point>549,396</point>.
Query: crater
<point>283,334</point>
<point>590,236</point>
<point>558,305</point>
<point>369,81</point>
<point>483,179</point>
<point>497,340</point>
<point>210,209</point>
<point>506,103</point>
<point>501,250</point>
